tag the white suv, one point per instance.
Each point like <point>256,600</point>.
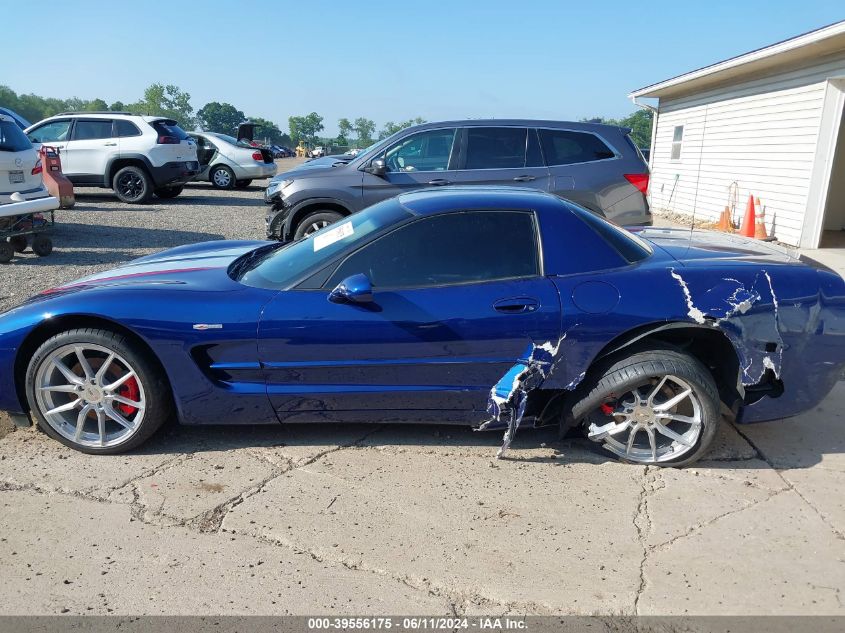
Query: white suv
<point>137,156</point>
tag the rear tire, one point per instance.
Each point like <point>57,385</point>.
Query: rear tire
<point>104,430</point>
<point>7,252</point>
<point>19,243</point>
<point>42,245</point>
<point>630,395</point>
<point>222,177</point>
<point>132,185</point>
<point>242,184</point>
<point>313,222</point>
<point>169,192</point>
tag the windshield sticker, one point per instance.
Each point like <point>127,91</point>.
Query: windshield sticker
<point>334,235</point>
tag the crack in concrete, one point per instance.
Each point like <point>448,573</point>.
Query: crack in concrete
<point>643,524</point>
<point>836,531</point>
<point>453,597</point>
<point>211,521</point>
<point>694,529</point>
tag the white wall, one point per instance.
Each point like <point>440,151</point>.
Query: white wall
<point>834,217</point>
<point>761,134</point>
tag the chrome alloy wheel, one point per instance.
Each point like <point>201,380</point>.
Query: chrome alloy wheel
<point>90,395</point>
<point>316,226</point>
<point>222,178</point>
<point>658,421</point>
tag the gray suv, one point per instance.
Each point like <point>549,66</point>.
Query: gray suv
<point>596,166</point>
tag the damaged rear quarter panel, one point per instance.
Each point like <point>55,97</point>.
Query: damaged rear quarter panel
<point>785,318</point>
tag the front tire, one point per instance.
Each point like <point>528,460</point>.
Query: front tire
<point>132,185</point>
<point>96,391</point>
<point>657,407</point>
<point>222,177</point>
<point>169,192</point>
<point>313,222</point>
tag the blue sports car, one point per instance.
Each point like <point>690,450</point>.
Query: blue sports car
<point>492,307</point>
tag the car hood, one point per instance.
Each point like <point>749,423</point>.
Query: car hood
<point>203,264</point>
<point>318,166</point>
<point>706,247</point>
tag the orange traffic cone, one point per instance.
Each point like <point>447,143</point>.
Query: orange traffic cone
<point>725,224</point>
<point>747,228</point>
<point>760,223</point>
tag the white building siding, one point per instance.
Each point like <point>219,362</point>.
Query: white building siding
<point>762,135</point>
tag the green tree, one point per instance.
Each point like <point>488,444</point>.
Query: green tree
<point>364,128</point>
<point>639,122</point>
<point>96,105</point>
<point>266,130</point>
<point>220,117</point>
<point>117,106</point>
<point>344,131</point>
<point>391,128</point>
<point>305,128</point>
<point>9,98</point>
<point>169,101</point>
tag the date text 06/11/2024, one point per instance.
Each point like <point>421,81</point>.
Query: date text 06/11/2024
<point>417,623</point>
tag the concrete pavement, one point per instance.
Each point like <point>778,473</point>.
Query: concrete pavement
<point>418,519</point>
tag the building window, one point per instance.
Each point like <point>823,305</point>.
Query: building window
<point>677,139</point>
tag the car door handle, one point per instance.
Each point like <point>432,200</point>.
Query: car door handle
<point>525,178</point>
<point>110,144</point>
<point>516,305</point>
<point>438,182</point>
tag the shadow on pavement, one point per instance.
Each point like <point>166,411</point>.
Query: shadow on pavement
<point>779,444</point>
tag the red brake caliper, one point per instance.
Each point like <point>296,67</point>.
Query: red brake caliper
<point>605,408</point>
<point>129,390</point>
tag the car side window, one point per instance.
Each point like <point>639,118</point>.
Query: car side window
<point>52,132</point>
<point>91,130</point>
<point>124,128</point>
<point>454,248</point>
<point>496,147</point>
<point>425,151</point>
<point>566,147</point>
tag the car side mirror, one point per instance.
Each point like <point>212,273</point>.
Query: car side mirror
<point>377,167</point>
<point>353,289</point>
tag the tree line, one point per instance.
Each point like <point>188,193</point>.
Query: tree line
<point>173,102</point>
<point>158,100</point>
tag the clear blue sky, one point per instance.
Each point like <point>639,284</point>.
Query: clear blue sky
<point>387,60</point>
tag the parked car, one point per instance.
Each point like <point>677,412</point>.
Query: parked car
<point>21,122</point>
<point>22,190</point>
<point>136,156</point>
<point>226,162</point>
<point>354,151</point>
<point>20,169</point>
<point>492,307</point>
<point>596,166</point>
<point>318,151</point>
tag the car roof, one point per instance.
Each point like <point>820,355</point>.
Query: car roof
<point>540,123</point>
<point>440,199</point>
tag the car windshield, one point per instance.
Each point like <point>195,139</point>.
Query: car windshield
<point>282,268</point>
<point>232,140</point>
<point>12,138</point>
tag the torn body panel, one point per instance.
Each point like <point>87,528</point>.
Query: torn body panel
<point>769,315</point>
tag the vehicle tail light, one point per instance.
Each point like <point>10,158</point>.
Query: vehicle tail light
<point>640,181</point>
<point>257,156</point>
<point>38,168</point>
<point>168,140</point>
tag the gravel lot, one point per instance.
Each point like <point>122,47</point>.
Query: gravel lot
<point>363,519</point>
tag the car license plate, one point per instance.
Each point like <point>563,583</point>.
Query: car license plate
<point>15,177</point>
